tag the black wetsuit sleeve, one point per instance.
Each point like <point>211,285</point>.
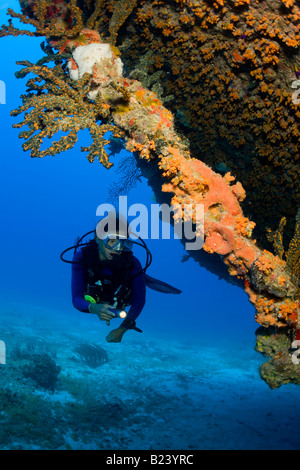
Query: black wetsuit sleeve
<point>78,284</point>
<point>139,292</point>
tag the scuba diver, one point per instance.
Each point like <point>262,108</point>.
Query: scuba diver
<point>107,278</point>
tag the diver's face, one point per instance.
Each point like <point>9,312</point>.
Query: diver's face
<point>107,252</point>
<point>115,246</point>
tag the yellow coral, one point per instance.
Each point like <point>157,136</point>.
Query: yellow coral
<point>292,255</point>
<point>266,262</point>
<point>61,105</point>
<point>243,226</point>
<point>121,12</point>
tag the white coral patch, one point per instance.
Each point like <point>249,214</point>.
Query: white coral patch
<point>87,56</point>
<point>74,73</point>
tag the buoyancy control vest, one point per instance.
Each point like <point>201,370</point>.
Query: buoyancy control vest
<point>108,281</point>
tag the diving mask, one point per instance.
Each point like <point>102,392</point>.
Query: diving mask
<point>117,243</point>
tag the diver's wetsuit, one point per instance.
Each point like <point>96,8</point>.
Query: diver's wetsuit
<point>108,269</point>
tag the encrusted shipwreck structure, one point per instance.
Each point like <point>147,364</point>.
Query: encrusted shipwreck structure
<point>212,110</point>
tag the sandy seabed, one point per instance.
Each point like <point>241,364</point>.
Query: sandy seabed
<point>150,393</point>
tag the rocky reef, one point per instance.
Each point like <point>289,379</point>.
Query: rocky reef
<point>213,111</point>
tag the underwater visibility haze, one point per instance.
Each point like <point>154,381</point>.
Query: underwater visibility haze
<point>191,380</point>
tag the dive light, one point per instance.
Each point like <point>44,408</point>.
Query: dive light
<point>118,313</point>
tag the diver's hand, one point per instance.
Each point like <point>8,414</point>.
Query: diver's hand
<point>102,311</point>
<point>115,336</point>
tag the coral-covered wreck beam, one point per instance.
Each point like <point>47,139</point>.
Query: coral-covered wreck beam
<point>90,90</point>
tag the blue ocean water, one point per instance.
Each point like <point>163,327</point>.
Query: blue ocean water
<point>189,381</point>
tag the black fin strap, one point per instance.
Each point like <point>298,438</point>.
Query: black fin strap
<point>130,325</point>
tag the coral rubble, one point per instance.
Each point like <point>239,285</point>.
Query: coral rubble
<point>43,371</point>
<point>227,66</point>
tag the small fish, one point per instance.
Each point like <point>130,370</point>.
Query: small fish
<point>222,167</point>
